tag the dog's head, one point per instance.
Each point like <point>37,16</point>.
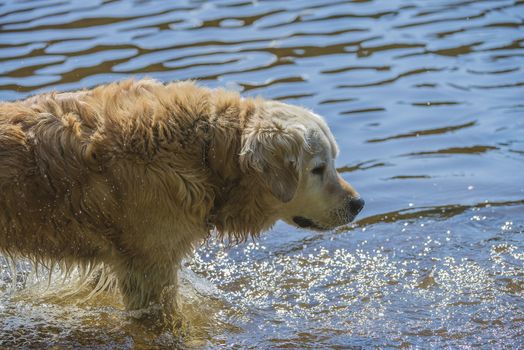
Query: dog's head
<point>293,151</point>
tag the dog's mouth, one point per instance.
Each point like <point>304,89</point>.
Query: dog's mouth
<point>307,223</point>
<point>303,222</point>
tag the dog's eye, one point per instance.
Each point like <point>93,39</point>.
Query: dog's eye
<point>319,170</point>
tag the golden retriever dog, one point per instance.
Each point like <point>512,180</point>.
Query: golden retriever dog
<point>132,175</point>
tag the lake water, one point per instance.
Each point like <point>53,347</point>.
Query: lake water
<point>426,100</point>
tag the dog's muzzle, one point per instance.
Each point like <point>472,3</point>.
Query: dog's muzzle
<point>350,211</point>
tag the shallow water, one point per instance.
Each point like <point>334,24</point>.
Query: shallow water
<point>425,98</point>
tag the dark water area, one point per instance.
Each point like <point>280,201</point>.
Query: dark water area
<point>426,100</point>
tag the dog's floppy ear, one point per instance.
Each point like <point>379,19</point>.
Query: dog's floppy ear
<point>274,152</point>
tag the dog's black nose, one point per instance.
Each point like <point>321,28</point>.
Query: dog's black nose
<point>356,205</point>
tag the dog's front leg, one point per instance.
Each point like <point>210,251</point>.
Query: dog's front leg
<point>143,285</point>
<point>171,315</point>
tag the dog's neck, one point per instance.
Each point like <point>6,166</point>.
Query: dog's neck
<point>242,204</point>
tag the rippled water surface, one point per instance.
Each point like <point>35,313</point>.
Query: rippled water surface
<point>425,98</point>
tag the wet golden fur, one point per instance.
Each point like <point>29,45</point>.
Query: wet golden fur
<point>134,174</point>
